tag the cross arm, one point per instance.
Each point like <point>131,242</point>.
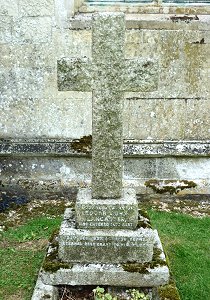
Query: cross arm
<point>140,75</point>
<point>74,74</point>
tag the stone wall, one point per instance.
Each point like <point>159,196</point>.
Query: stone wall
<point>166,132</point>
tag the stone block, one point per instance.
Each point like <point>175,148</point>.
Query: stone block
<point>167,168</point>
<point>140,168</point>
<point>40,117</point>
<point>72,43</point>
<point>112,274</point>
<point>155,119</point>
<point>6,58</point>
<point>36,8</point>
<point>193,169</point>
<point>29,82</point>
<point>7,87</point>
<point>44,291</point>
<point>9,8</point>
<point>140,75</point>
<point>32,30</point>
<point>22,83</point>
<point>5,29</point>
<point>197,119</point>
<point>111,213</point>
<point>34,56</point>
<point>75,170</point>
<point>101,274</point>
<point>104,245</point>
<point>168,119</point>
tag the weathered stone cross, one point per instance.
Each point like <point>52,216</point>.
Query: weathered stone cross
<point>108,75</point>
<point>101,237</point>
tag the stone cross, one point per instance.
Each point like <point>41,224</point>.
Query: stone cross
<point>102,236</point>
<point>108,75</point>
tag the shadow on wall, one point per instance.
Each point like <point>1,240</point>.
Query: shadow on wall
<point>12,196</point>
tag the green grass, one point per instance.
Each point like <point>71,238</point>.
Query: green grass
<point>37,228</point>
<point>18,272</point>
<point>186,241</point>
<point>21,256</point>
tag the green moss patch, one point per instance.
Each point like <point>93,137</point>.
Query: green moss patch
<point>169,186</point>
<point>157,261</point>
<point>51,262</point>
<point>83,145</point>
<point>184,18</point>
<point>168,292</point>
<point>19,215</point>
<point>143,219</point>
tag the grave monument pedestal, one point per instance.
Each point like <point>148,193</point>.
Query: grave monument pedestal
<point>102,242</point>
<point>113,257</point>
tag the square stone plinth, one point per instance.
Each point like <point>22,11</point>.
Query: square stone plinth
<point>153,274</point>
<point>119,213</point>
<point>103,245</point>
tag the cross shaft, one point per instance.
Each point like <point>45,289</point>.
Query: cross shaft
<point>108,75</point>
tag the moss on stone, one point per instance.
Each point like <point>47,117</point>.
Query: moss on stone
<point>51,262</point>
<point>83,145</point>
<point>53,237</point>
<point>143,219</point>
<point>135,267</point>
<point>143,224</point>
<point>143,268</point>
<point>184,18</point>
<point>168,292</point>
<point>170,186</point>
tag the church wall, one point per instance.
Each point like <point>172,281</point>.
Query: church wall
<point>35,34</point>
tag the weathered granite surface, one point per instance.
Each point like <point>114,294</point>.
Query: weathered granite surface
<point>111,76</point>
<point>119,213</point>
<point>178,110</point>
<point>106,274</point>
<point>44,291</point>
<point>104,245</point>
<point>110,274</point>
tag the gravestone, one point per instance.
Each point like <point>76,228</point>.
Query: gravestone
<point>103,233</point>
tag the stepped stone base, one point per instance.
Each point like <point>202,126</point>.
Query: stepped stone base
<point>103,245</point>
<point>44,291</point>
<point>110,274</point>
<point>106,213</point>
<point>104,274</point>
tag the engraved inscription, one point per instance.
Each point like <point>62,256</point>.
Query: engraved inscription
<point>106,217</point>
<point>105,241</point>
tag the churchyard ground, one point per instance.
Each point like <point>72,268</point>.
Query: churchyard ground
<point>25,232</point>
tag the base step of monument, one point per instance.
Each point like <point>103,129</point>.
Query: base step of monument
<point>98,274</point>
<point>152,274</point>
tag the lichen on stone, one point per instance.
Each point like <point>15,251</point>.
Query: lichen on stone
<point>170,186</point>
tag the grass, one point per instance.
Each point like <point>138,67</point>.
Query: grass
<point>185,239</point>
<point>21,254</point>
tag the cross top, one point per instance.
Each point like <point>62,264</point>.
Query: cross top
<point>108,75</point>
